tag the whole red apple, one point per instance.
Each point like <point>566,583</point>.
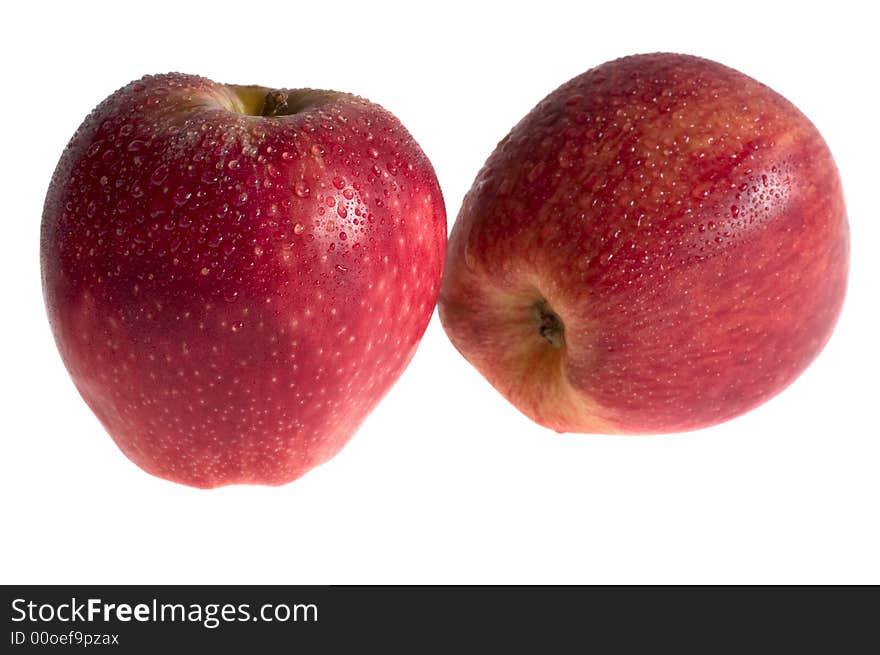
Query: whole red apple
<point>661,244</point>
<point>236,275</point>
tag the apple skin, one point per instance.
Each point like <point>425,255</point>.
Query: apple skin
<point>660,245</point>
<point>235,276</point>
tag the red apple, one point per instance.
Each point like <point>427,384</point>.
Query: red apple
<point>661,244</point>
<point>236,275</point>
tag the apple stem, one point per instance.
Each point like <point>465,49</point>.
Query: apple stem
<point>275,103</point>
<point>549,324</point>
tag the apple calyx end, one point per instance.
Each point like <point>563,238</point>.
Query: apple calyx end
<point>548,324</point>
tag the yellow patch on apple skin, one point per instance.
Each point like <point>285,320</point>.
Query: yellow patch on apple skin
<point>532,376</point>
<point>241,98</point>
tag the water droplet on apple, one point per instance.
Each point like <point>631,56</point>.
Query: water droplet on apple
<point>348,194</point>
<point>181,195</point>
<point>298,228</point>
<point>700,191</point>
<point>159,175</point>
<point>338,182</point>
<point>342,211</point>
<point>301,189</point>
<point>341,268</point>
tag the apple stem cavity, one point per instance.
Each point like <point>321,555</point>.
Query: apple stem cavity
<point>262,102</point>
<point>549,325</point>
<point>275,104</point>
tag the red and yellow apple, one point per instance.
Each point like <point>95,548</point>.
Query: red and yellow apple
<point>661,244</point>
<point>236,275</point>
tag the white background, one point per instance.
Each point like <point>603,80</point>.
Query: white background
<point>445,482</point>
